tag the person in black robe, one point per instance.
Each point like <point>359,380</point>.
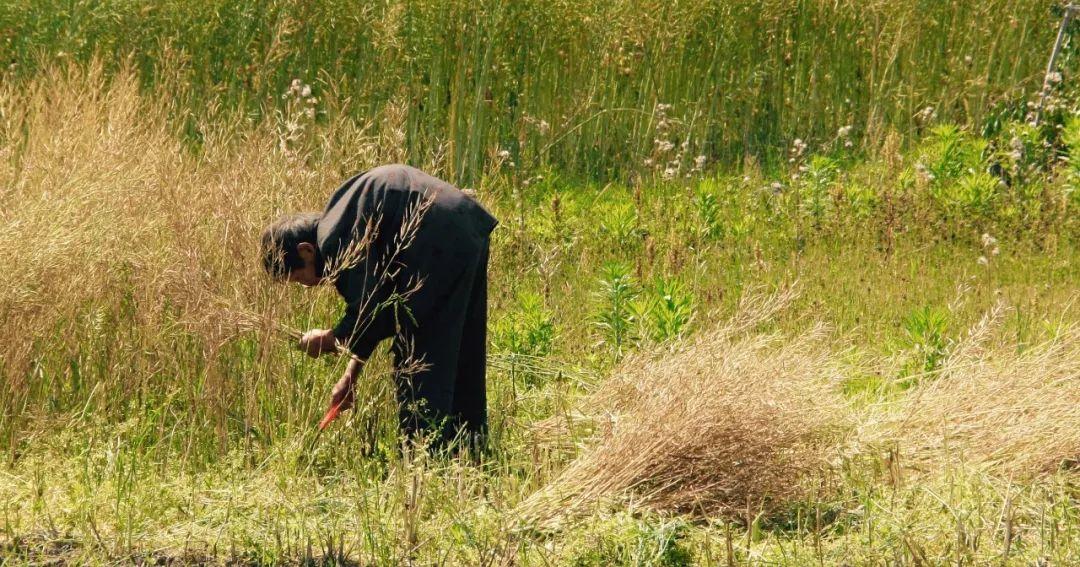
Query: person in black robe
<point>408,253</point>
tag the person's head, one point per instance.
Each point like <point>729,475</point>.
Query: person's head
<point>290,251</point>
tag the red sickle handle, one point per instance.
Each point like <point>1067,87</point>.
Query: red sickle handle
<point>331,415</point>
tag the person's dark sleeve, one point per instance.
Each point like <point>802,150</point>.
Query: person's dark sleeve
<point>369,287</point>
<point>366,323</point>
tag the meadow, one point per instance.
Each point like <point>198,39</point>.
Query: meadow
<point>821,246</point>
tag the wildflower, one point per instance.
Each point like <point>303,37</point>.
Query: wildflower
<point>544,126</point>
<point>982,261</point>
<point>669,173</point>
<point>798,147</point>
<point>777,187</point>
<point>844,131</point>
<point>699,162</point>
<point>503,154</point>
<point>967,60</point>
<point>923,172</point>
<point>305,91</point>
<point>649,162</point>
<point>926,115</point>
<point>663,146</point>
<point>1054,77</point>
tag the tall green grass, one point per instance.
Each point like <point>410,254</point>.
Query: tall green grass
<point>572,85</point>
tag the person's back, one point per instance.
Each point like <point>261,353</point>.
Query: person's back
<point>408,253</point>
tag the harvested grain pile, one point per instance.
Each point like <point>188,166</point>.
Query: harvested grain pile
<point>725,422</point>
<point>1014,414</point>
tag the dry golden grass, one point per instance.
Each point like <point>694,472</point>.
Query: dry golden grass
<point>120,237</point>
<point>1015,413</point>
<point>728,421</point>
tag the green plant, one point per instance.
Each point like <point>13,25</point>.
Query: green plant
<point>925,336</point>
<point>710,226</point>
<point>949,153</point>
<point>622,226</point>
<point>528,330</point>
<point>669,310</point>
<point>818,178</point>
<point>617,314</point>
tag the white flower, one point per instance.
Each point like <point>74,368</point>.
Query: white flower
<point>1054,77</point>
<point>503,154</point>
<point>983,261</point>
<point>844,131</point>
<point>924,172</point>
<point>699,162</point>
<point>305,91</point>
<point>669,173</point>
<point>988,241</point>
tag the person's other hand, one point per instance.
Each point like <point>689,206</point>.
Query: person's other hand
<point>342,395</point>
<point>318,342</point>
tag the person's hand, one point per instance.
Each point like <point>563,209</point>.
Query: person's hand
<point>341,397</point>
<point>318,342</point>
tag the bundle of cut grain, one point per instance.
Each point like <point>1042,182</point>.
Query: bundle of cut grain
<point>1015,414</point>
<point>726,421</point>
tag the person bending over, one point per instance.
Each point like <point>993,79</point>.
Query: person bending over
<point>408,253</point>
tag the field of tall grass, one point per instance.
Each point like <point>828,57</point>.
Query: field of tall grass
<point>572,85</point>
<point>776,283</point>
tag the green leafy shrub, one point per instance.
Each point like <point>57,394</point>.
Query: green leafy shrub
<point>818,178</point>
<point>669,311</point>
<point>617,314</point>
<point>710,226</point>
<point>528,330</point>
<point>925,337</point>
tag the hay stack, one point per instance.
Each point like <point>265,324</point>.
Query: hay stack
<point>1013,414</point>
<point>721,424</point>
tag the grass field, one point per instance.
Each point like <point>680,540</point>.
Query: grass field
<point>658,169</point>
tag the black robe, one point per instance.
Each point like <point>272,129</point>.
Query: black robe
<point>443,323</point>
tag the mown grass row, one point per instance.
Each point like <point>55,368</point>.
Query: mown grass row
<point>575,86</point>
